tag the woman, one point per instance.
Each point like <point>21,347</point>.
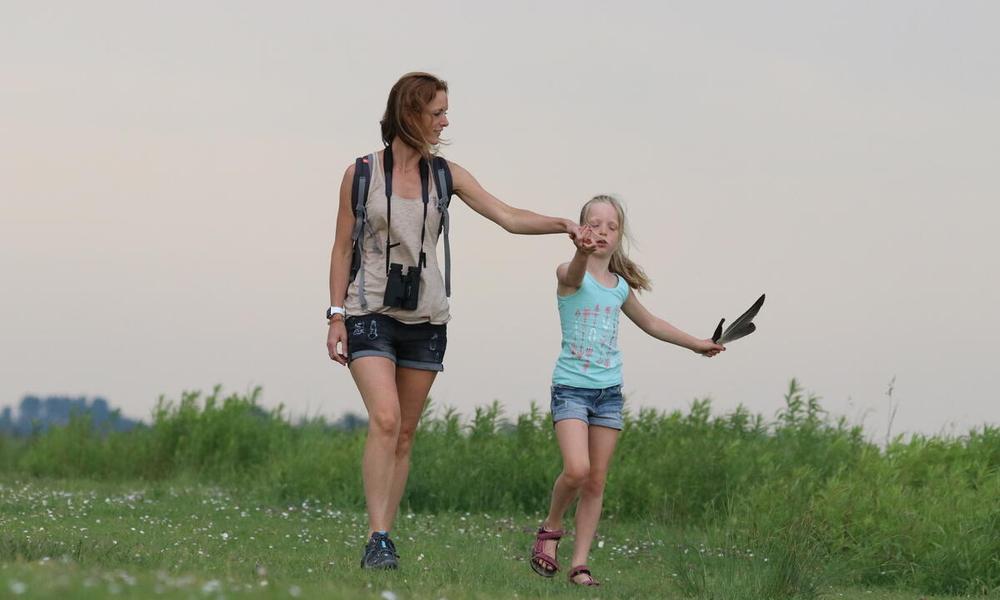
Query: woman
<point>388,323</point>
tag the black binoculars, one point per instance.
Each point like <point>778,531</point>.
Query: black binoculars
<point>401,291</point>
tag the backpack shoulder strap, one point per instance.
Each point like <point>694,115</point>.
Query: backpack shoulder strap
<point>442,179</point>
<point>361,185</point>
<point>359,199</point>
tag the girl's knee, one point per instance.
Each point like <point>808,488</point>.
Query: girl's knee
<point>593,488</point>
<point>594,485</point>
<point>576,474</point>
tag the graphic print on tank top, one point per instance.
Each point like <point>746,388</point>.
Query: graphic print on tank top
<point>595,335</point>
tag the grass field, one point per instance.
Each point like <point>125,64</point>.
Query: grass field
<point>216,496</point>
<point>78,539</point>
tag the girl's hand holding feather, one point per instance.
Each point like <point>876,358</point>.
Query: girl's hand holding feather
<point>708,348</point>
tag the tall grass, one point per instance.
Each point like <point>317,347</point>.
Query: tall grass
<point>921,512</point>
<point>732,565</point>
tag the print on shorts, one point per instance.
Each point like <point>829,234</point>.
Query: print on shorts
<point>373,330</point>
<point>359,328</point>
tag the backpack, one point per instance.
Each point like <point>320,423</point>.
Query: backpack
<point>441,175</point>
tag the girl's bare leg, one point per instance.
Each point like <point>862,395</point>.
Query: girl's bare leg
<point>602,442</point>
<point>573,441</point>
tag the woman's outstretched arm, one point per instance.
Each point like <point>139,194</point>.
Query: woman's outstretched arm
<point>514,220</point>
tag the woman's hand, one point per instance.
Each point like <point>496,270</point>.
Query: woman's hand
<point>708,348</point>
<point>337,335</point>
<point>573,230</point>
<point>584,240</point>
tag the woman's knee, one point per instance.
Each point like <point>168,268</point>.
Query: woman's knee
<point>384,422</point>
<point>404,442</point>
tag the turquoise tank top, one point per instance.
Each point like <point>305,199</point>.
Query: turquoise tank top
<point>590,357</point>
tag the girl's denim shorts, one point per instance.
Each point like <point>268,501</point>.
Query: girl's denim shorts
<point>593,406</point>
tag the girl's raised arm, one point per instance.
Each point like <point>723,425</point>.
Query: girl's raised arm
<point>514,220</point>
<point>661,330</point>
<point>570,275</point>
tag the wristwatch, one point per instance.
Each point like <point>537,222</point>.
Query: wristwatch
<point>335,310</point>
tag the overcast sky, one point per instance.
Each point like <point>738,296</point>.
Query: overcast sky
<point>169,177</point>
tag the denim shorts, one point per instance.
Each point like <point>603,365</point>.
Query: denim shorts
<point>597,406</point>
<point>417,346</point>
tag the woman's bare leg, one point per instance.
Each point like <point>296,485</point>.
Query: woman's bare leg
<point>413,386</point>
<point>375,377</point>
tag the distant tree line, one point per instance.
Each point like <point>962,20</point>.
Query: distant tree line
<point>36,415</point>
<point>39,414</point>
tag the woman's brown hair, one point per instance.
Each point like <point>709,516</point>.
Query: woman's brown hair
<point>404,111</point>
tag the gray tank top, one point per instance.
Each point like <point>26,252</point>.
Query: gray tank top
<point>407,221</point>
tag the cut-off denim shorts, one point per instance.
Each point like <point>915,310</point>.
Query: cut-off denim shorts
<point>417,346</point>
<point>597,406</point>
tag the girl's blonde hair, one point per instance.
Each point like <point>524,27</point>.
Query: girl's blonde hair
<point>620,264</point>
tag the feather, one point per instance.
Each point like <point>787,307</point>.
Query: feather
<point>718,332</point>
<point>741,327</point>
<point>732,334</point>
<point>746,317</point>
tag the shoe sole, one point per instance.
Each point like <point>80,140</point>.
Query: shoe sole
<point>537,568</point>
<point>383,566</point>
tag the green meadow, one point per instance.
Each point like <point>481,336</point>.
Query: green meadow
<point>217,497</point>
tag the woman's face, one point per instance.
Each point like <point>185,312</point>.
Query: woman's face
<point>602,221</point>
<point>436,117</point>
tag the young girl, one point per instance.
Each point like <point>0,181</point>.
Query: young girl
<point>587,381</point>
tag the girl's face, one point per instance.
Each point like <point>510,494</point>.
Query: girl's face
<point>602,221</point>
<point>435,117</point>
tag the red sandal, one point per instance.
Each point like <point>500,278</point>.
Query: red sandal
<point>550,564</point>
<point>584,570</point>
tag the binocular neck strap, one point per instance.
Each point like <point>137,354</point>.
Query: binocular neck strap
<point>425,195</point>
